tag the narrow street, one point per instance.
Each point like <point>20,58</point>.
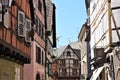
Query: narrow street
<point>59,40</point>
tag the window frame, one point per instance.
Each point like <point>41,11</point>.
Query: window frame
<point>27,30</point>
<point>21,22</point>
<point>38,55</point>
<point>42,58</point>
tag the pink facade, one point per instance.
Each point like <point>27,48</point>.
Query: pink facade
<point>31,70</point>
<point>35,70</point>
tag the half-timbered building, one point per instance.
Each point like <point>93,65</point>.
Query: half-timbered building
<point>15,47</point>
<point>69,64</point>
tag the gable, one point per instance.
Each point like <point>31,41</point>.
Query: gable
<point>69,53</point>
<point>60,50</point>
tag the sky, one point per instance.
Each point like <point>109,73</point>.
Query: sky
<point>70,16</point>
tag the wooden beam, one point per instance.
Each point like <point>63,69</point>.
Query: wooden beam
<point>116,28</point>
<point>113,8</point>
<point>109,22</point>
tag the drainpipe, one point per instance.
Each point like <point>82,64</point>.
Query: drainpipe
<point>109,21</point>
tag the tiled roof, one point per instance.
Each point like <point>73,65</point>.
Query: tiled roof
<point>60,50</point>
<point>75,45</point>
<point>77,51</point>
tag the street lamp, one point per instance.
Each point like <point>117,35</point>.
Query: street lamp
<point>4,4</point>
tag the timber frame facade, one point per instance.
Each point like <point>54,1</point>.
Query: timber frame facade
<point>103,18</point>
<point>69,64</point>
<point>13,40</point>
<point>15,46</point>
<point>25,29</point>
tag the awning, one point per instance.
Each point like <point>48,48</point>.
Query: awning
<point>96,73</point>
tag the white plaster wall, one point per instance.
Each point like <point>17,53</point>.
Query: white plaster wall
<point>99,23</point>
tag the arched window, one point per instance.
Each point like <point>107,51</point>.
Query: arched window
<point>37,77</point>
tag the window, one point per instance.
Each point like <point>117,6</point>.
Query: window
<point>64,72</point>
<point>39,28</point>
<point>50,69</point>
<point>21,18</point>
<point>38,55</point>
<point>42,58</point>
<point>39,6</point>
<point>76,62</point>
<point>28,28</point>
<point>42,32</point>
<point>74,71</point>
<point>68,53</point>
<point>62,61</point>
<point>37,24</point>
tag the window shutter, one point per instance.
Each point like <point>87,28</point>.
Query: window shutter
<point>7,19</point>
<point>27,30</point>
<point>21,18</point>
